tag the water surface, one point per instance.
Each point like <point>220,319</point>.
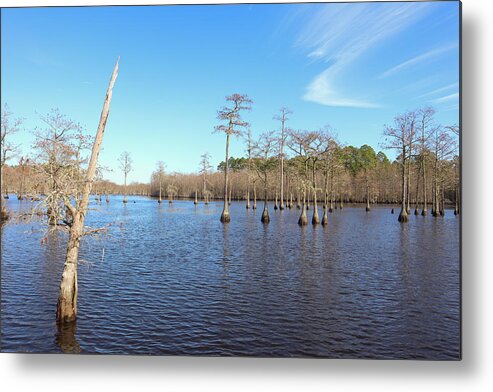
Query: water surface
<point>173,280</point>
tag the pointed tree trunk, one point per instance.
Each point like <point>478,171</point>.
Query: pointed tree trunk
<point>67,298</point>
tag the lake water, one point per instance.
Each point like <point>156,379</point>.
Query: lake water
<point>173,280</point>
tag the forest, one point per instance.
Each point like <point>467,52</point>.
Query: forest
<point>285,167</point>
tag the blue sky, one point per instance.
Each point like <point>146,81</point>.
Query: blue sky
<point>353,66</point>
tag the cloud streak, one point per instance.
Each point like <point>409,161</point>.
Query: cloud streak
<point>446,98</point>
<point>440,90</point>
<point>341,33</point>
<point>416,60</point>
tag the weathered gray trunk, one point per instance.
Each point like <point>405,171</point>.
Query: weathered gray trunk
<point>196,201</point>
<point>367,195</point>
<point>67,298</point>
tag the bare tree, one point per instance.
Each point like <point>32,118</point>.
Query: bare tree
<point>67,299</point>
<point>205,168</point>
<point>249,165</point>
<point>60,148</point>
<point>400,136</point>
<point>283,118</point>
<point>172,191</point>
<point>9,127</point>
<point>126,162</point>
<point>302,144</point>
<point>160,167</point>
<point>425,120</point>
<point>265,162</point>
<point>233,124</point>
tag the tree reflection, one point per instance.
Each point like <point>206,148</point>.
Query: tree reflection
<point>65,338</point>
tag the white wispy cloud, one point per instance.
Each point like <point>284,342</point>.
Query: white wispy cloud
<point>446,98</point>
<point>418,59</point>
<point>440,90</point>
<point>320,91</point>
<point>340,33</point>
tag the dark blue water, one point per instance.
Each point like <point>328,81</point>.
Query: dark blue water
<point>173,280</point>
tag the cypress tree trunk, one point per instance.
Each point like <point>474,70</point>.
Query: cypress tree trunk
<point>265,214</point>
<point>225,218</point>
<point>303,220</point>
<point>403,217</point>
<point>125,189</point>
<point>424,212</point>
<point>254,196</point>
<point>367,195</point>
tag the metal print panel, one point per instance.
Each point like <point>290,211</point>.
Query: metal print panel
<point>265,180</point>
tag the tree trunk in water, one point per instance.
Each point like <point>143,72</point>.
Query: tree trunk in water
<point>315,218</point>
<point>367,195</point>
<point>248,200</point>
<point>225,218</point>
<point>275,202</point>
<point>403,217</point>
<point>325,218</point>
<point>456,209</point>
<point>265,214</point>
<point>442,201</point>
<point>67,298</point>
<point>125,189</point>
<point>298,202</point>
<point>254,196</point>
<point>291,201</point>
<point>436,207</point>
<point>424,212</point>
<point>408,199</point>
<point>196,201</point>
<point>303,219</point>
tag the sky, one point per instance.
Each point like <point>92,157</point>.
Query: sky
<point>353,66</point>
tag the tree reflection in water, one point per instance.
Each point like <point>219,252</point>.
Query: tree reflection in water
<point>65,338</point>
